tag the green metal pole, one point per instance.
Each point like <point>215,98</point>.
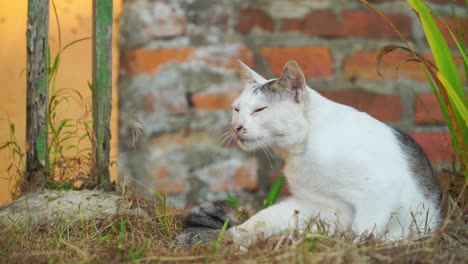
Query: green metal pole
<point>102,87</point>
<point>37,91</point>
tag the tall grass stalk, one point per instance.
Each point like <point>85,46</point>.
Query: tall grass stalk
<point>442,75</point>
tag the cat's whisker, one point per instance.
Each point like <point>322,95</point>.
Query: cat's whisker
<point>222,142</point>
<point>271,152</point>
<point>226,138</point>
<point>262,146</point>
<point>275,160</point>
<point>275,154</point>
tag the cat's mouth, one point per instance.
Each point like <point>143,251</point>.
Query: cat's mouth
<point>247,143</point>
<point>245,140</point>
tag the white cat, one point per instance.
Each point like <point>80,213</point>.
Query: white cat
<point>342,165</point>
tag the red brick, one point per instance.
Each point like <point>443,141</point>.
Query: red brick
<point>314,61</point>
<point>387,108</point>
<point>355,23</point>
<point>225,176</point>
<point>148,103</point>
<point>249,18</point>
<point>452,25</point>
<point>445,180</point>
<point>148,61</point>
<point>216,100</point>
<point>245,177</point>
<point>294,25</point>
<point>427,110</point>
<point>363,65</point>
<point>224,57</point>
<point>171,182</point>
<point>436,145</point>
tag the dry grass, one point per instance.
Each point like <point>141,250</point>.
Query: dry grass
<point>121,239</point>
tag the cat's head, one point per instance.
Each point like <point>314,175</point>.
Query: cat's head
<point>270,112</point>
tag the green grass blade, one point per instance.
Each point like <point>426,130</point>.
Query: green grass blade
<point>274,191</point>
<point>221,236</point>
<point>458,103</point>
<point>440,50</point>
<point>459,42</point>
<point>74,42</point>
<point>232,200</point>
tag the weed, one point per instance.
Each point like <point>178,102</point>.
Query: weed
<point>219,240</point>
<point>120,244</point>
<point>232,200</point>
<point>15,170</point>
<point>274,191</point>
<point>136,255</point>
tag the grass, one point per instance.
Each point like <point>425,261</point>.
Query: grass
<point>143,239</point>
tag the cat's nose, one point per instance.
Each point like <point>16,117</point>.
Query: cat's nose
<point>239,128</point>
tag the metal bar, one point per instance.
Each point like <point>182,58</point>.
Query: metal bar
<point>102,87</point>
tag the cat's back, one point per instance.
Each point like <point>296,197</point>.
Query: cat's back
<point>354,144</point>
<point>341,126</point>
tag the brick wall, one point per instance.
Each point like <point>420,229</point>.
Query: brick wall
<point>178,76</point>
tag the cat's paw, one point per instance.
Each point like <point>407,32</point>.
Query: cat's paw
<point>249,233</point>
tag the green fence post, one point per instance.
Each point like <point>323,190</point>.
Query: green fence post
<point>37,91</point>
<point>102,87</point>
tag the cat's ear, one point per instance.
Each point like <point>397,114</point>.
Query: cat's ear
<point>292,78</point>
<point>248,75</point>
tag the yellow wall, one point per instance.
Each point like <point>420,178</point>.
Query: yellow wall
<point>75,18</point>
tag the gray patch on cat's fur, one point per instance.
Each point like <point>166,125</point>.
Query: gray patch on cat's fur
<point>420,166</point>
<point>210,215</point>
<point>205,221</point>
<point>273,91</point>
<point>269,87</point>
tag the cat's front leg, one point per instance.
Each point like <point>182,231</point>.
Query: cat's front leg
<point>286,215</point>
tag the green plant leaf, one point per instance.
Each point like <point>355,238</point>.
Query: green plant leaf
<point>274,191</point>
<point>440,50</point>
<point>459,104</point>
<point>219,240</point>
<point>232,200</point>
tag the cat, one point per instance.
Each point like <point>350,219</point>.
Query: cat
<point>343,166</point>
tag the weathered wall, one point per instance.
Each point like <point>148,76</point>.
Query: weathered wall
<point>178,76</point>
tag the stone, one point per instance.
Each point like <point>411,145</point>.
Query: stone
<point>143,21</point>
<point>71,206</point>
<point>230,173</point>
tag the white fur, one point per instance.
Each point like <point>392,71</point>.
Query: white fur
<point>342,165</point>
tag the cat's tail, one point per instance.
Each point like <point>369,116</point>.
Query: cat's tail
<point>204,222</point>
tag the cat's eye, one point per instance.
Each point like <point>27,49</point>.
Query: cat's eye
<point>236,109</point>
<point>260,109</point>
